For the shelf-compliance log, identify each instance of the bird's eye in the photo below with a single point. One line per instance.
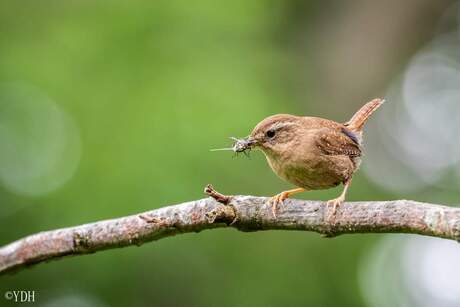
(270, 133)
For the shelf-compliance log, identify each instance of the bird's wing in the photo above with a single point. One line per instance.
(332, 141)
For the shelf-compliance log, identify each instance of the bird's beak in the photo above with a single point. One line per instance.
(244, 144)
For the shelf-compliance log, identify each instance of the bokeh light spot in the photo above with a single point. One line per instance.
(410, 270)
(39, 143)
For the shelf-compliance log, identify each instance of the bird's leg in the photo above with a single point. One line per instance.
(279, 198)
(336, 202)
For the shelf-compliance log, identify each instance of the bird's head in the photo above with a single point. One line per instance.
(274, 135)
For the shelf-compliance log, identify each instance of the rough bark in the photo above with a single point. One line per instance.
(245, 213)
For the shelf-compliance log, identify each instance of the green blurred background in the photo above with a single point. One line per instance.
(108, 108)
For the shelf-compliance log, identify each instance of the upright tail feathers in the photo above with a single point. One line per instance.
(356, 123)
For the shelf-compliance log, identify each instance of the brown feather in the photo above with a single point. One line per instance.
(356, 123)
(334, 142)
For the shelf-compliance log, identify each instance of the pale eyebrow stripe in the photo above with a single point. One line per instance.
(281, 125)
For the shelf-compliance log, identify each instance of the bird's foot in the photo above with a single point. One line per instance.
(335, 203)
(278, 199)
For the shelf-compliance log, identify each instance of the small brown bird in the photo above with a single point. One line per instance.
(310, 152)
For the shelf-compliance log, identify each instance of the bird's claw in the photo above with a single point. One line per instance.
(335, 203)
(277, 199)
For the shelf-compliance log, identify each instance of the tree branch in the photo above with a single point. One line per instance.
(245, 213)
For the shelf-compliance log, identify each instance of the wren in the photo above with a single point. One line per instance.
(312, 153)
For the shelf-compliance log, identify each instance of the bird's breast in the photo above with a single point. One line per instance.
(312, 171)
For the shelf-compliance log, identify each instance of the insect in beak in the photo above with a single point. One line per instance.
(240, 145)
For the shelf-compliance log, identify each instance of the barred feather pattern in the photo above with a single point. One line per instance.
(356, 123)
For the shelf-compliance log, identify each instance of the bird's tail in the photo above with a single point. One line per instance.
(356, 123)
